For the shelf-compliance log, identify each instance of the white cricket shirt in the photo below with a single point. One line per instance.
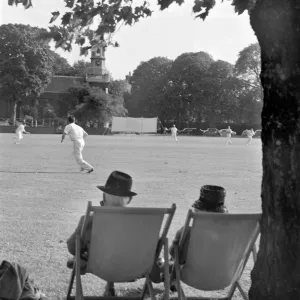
(20, 129)
(174, 130)
(250, 133)
(75, 132)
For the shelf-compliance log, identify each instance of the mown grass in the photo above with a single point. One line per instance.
(38, 211)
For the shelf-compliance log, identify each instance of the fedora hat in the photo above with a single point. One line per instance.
(118, 184)
(212, 198)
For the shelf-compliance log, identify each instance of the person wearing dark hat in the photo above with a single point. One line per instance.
(116, 193)
(212, 199)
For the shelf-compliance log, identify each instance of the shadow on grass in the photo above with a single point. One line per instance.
(136, 292)
(44, 172)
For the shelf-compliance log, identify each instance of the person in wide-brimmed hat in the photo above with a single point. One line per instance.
(117, 193)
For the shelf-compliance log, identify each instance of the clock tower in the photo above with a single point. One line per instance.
(97, 74)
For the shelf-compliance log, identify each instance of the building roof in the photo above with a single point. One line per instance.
(60, 84)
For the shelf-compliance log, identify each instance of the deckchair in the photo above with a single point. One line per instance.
(125, 243)
(218, 249)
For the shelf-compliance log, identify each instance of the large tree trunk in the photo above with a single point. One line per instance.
(276, 275)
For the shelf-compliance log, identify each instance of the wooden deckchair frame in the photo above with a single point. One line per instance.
(162, 244)
(175, 273)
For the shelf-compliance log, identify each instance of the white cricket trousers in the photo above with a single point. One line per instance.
(18, 136)
(175, 136)
(77, 151)
(228, 140)
(249, 140)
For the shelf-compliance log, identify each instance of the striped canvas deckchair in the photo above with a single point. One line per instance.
(218, 250)
(125, 243)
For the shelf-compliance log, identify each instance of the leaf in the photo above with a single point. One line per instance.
(166, 3)
(147, 12)
(65, 20)
(205, 5)
(27, 4)
(197, 6)
(54, 16)
(80, 40)
(242, 5)
(202, 15)
(70, 3)
(84, 50)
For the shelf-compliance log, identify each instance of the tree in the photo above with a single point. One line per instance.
(145, 85)
(193, 87)
(249, 108)
(24, 65)
(276, 24)
(48, 111)
(182, 91)
(74, 96)
(248, 65)
(248, 68)
(119, 87)
(219, 92)
(79, 68)
(94, 104)
(60, 65)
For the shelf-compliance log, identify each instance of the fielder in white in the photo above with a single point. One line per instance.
(77, 135)
(174, 132)
(249, 134)
(19, 133)
(227, 134)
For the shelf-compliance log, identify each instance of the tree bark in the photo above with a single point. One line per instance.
(14, 112)
(276, 274)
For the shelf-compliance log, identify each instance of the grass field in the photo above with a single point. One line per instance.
(43, 195)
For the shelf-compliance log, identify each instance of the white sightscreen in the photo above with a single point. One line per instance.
(142, 125)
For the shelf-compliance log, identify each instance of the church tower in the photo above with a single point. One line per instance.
(97, 74)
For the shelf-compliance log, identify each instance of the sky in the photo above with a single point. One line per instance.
(167, 33)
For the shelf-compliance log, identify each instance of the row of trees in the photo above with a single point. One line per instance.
(192, 88)
(196, 88)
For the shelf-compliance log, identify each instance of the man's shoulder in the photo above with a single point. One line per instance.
(77, 126)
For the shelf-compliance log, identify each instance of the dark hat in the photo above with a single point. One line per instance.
(212, 198)
(118, 184)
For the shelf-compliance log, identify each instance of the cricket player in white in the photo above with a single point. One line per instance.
(249, 134)
(174, 132)
(77, 135)
(228, 135)
(19, 133)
